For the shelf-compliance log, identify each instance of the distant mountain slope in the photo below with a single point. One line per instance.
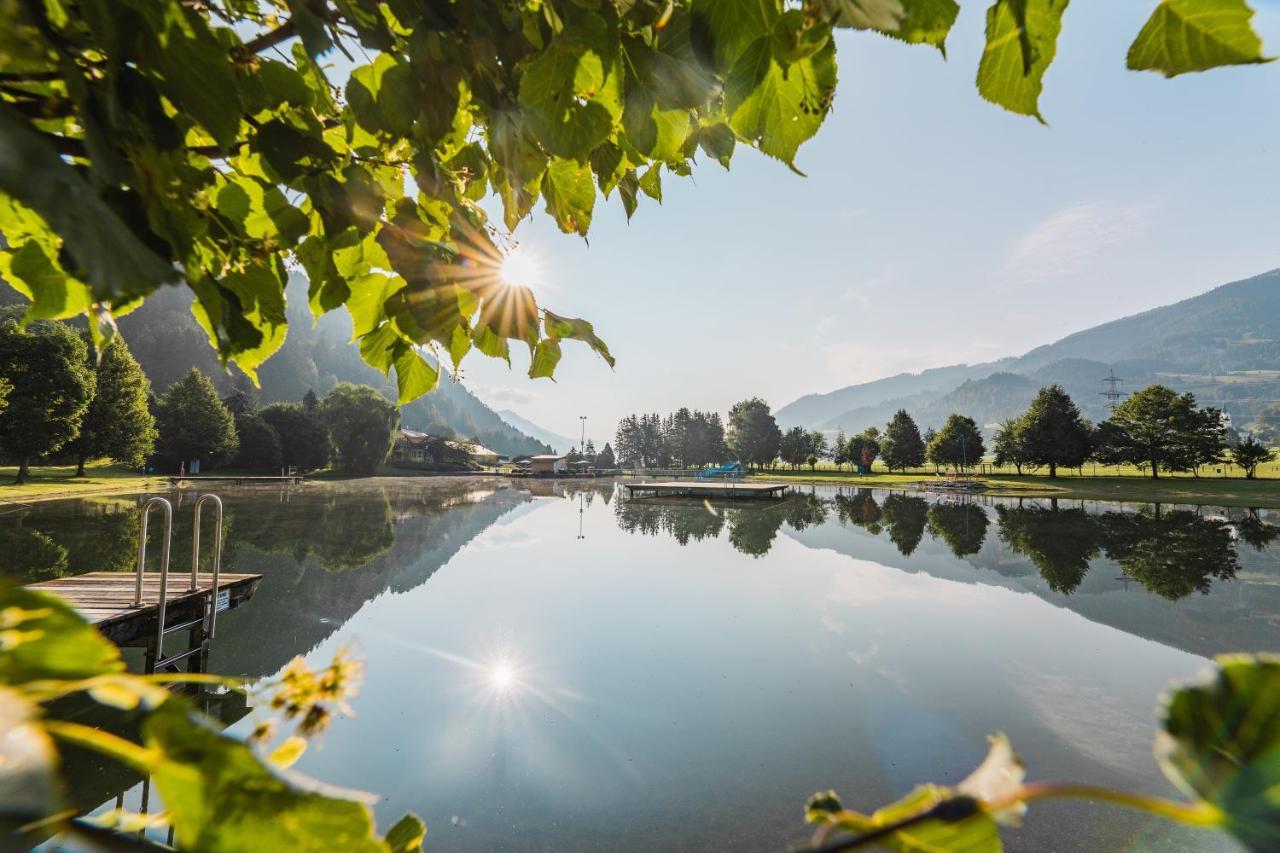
(1190, 345)
(167, 343)
(557, 442)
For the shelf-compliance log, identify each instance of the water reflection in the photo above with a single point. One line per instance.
(1170, 552)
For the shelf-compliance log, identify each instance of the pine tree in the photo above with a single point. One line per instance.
(901, 447)
(194, 424)
(118, 423)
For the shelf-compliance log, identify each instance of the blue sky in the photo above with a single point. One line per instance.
(933, 228)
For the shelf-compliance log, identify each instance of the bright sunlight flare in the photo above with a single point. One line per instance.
(502, 675)
(522, 266)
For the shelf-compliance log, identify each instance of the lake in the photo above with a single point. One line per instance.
(550, 666)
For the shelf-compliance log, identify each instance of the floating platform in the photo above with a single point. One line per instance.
(105, 599)
(705, 489)
(237, 480)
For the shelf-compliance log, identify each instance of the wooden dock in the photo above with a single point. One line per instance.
(707, 489)
(237, 479)
(106, 600)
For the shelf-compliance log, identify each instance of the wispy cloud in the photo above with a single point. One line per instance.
(1072, 240)
(504, 396)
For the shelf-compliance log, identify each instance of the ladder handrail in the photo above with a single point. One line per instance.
(147, 506)
(217, 556)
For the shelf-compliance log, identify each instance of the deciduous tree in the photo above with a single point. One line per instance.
(753, 434)
(1010, 445)
(304, 441)
(260, 448)
(47, 367)
(1159, 429)
(1249, 454)
(362, 424)
(958, 443)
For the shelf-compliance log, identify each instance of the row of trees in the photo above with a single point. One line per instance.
(685, 438)
(56, 397)
(1155, 429)
(57, 400)
(353, 426)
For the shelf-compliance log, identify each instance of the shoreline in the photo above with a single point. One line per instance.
(1248, 494)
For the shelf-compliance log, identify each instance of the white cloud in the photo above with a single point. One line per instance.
(504, 396)
(1072, 240)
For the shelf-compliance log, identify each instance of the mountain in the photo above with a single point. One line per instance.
(558, 443)
(1223, 345)
(167, 342)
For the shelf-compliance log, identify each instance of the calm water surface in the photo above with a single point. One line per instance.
(550, 666)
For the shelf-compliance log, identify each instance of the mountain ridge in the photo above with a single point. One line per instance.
(1190, 345)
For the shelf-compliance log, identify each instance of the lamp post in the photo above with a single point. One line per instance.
(582, 442)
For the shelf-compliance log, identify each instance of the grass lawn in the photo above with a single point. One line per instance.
(47, 482)
(1218, 491)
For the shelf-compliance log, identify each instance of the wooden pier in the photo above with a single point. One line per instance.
(237, 479)
(105, 599)
(707, 489)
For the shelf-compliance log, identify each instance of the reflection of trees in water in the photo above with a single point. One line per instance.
(342, 531)
(752, 525)
(904, 516)
(859, 509)
(1256, 532)
(962, 527)
(70, 539)
(1059, 542)
(682, 521)
(1172, 553)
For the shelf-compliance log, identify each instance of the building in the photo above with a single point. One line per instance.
(546, 463)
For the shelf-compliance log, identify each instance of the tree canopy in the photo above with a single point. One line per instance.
(304, 441)
(901, 446)
(958, 443)
(1052, 431)
(118, 423)
(1161, 430)
(194, 424)
(147, 142)
(46, 366)
(362, 425)
(753, 434)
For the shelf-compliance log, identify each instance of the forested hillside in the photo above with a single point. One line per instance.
(1223, 345)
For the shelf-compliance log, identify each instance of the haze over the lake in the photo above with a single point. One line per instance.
(931, 229)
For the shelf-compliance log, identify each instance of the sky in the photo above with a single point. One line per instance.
(932, 228)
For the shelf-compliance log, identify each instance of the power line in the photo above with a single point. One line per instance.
(1113, 393)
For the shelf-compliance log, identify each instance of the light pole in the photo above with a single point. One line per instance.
(582, 442)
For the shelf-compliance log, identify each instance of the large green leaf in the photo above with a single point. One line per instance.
(41, 637)
(1220, 742)
(221, 797)
(107, 254)
(883, 15)
(778, 107)
(558, 327)
(53, 293)
(570, 194)
(926, 22)
(929, 820)
(1196, 35)
(1022, 38)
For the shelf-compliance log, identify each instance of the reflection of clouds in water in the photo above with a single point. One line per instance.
(862, 583)
(1090, 717)
(505, 539)
(865, 657)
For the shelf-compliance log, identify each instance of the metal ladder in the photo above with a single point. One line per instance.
(200, 629)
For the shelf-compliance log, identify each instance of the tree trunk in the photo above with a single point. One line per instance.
(1053, 469)
(1155, 470)
(80, 466)
(22, 472)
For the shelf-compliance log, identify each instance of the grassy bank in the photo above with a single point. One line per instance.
(1218, 491)
(49, 482)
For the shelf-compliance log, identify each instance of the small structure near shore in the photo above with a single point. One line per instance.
(706, 489)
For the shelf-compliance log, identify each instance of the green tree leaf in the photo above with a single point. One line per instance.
(29, 786)
(546, 355)
(414, 376)
(1220, 742)
(53, 294)
(1022, 38)
(407, 835)
(1196, 35)
(43, 638)
(570, 194)
(558, 328)
(223, 798)
(777, 108)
